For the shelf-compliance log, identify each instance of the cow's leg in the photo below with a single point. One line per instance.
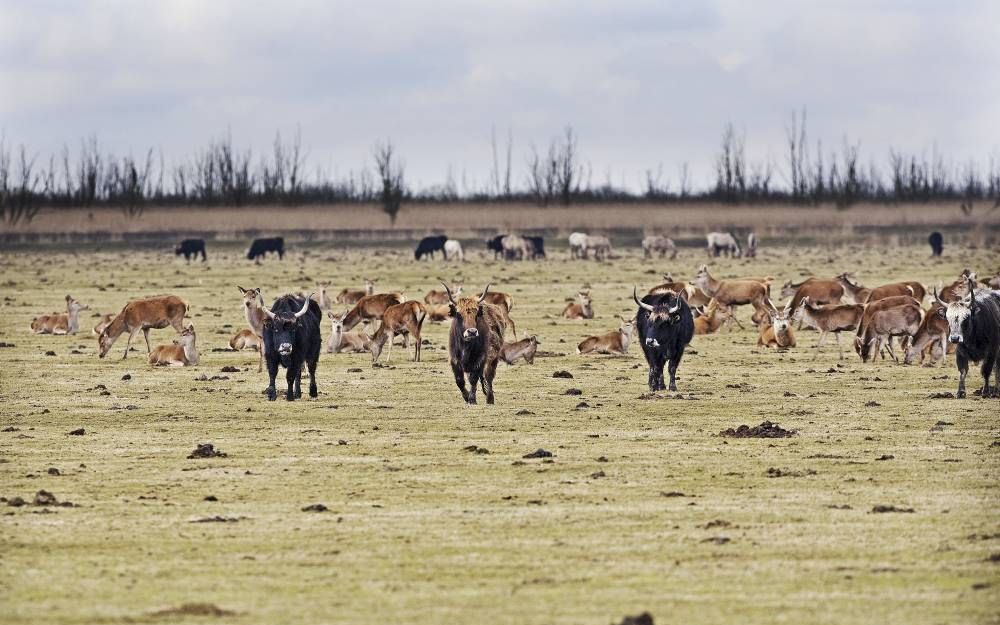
(653, 377)
(313, 391)
(488, 374)
(963, 370)
(474, 377)
(128, 343)
(986, 370)
(291, 374)
(460, 379)
(272, 373)
(674, 363)
(145, 335)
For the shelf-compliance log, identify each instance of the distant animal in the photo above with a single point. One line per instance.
(936, 242)
(143, 314)
(181, 353)
(453, 250)
(834, 318)
(438, 313)
(525, 348)
(441, 297)
(292, 340)
(429, 245)
(723, 243)
(598, 245)
(778, 331)
(60, 323)
(253, 311)
(495, 245)
(974, 327)
(191, 248)
(261, 247)
(914, 289)
(474, 344)
(616, 342)
(536, 247)
(346, 342)
(103, 323)
(751, 251)
(371, 308)
(404, 319)
(898, 315)
(665, 329)
(581, 309)
(245, 339)
(657, 244)
(515, 247)
(734, 292)
(577, 243)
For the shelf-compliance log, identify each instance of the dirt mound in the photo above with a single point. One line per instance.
(884, 509)
(765, 430)
(206, 450)
(563, 374)
(193, 609)
(643, 619)
(538, 453)
(316, 507)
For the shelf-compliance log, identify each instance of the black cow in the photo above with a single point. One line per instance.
(937, 243)
(496, 245)
(536, 247)
(191, 247)
(429, 245)
(291, 338)
(665, 328)
(474, 343)
(260, 247)
(974, 327)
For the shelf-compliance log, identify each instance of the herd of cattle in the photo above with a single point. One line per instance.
(963, 317)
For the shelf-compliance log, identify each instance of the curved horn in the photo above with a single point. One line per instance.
(635, 296)
(485, 291)
(267, 311)
(450, 298)
(305, 307)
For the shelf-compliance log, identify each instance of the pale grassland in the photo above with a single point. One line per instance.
(421, 531)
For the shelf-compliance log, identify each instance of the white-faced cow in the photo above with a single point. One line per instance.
(974, 328)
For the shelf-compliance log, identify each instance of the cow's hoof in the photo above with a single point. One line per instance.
(960, 395)
(272, 396)
(313, 393)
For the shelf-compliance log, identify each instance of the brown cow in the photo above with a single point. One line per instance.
(474, 344)
(143, 314)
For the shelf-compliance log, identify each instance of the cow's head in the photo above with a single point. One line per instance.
(958, 314)
(251, 297)
(466, 312)
(284, 326)
(660, 316)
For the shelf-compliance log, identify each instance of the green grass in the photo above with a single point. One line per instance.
(421, 531)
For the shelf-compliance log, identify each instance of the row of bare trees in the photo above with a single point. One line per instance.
(223, 175)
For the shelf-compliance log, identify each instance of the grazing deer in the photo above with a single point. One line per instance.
(525, 348)
(245, 339)
(616, 342)
(504, 302)
(253, 310)
(405, 319)
(834, 318)
(143, 314)
(582, 309)
(370, 308)
(60, 323)
(732, 293)
(346, 342)
(931, 339)
(779, 332)
(441, 297)
(181, 353)
(352, 296)
(897, 315)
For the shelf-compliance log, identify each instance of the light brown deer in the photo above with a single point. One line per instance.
(504, 302)
(245, 339)
(370, 308)
(897, 315)
(441, 297)
(779, 331)
(404, 319)
(181, 353)
(60, 323)
(143, 314)
(616, 342)
(353, 296)
(712, 319)
(103, 323)
(438, 313)
(253, 310)
(581, 309)
(911, 288)
(931, 339)
(525, 348)
(853, 293)
(834, 318)
(732, 293)
(346, 342)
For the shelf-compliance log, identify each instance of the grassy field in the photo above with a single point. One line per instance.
(643, 506)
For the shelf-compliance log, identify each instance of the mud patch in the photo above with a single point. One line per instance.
(206, 450)
(764, 430)
(316, 507)
(885, 509)
(538, 453)
(642, 619)
(193, 609)
(563, 374)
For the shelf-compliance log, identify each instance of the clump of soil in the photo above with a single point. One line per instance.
(78, 432)
(476, 449)
(316, 507)
(882, 509)
(538, 453)
(764, 430)
(643, 619)
(776, 472)
(563, 374)
(943, 395)
(218, 519)
(573, 391)
(229, 369)
(193, 609)
(206, 450)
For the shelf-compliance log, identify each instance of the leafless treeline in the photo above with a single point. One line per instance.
(222, 174)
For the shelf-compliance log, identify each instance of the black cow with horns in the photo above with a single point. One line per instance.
(974, 327)
(291, 339)
(665, 328)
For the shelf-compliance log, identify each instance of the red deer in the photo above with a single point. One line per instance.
(370, 308)
(245, 339)
(712, 319)
(820, 291)
(253, 310)
(525, 348)
(438, 313)
(441, 297)
(352, 296)
(732, 293)
(853, 292)
(60, 323)
(834, 318)
(931, 339)
(778, 332)
(347, 342)
(898, 315)
(658, 244)
(143, 314)
(103, 323)
(404, 319)
(957, 289)
(505, 303)
(914, 289)
(181, 353)
(474, 344)
(583, 309)
(616, 342)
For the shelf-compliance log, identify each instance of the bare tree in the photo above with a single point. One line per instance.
(390, 172)
(18, 190)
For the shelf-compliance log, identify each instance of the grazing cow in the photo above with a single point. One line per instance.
(181, 353)
(260, 247)
(599, 245)
(834, 318)
(515, 247)
(722, 243)
(577, 244)
(474, 344)
(253, 310)
(441, 297)
(429, 245)
(346, 342)
(453, 250)
(103, 323)
(60, 323)
(616, 342)
(536, 247)
(191, 248)
(143, 314)
(352, 296)
(370, 308)
(936, 242)
(292, 338)
(751, 251)
(731, 293)
(931, 339)
(525, 348)
(245, 339)
(852, 292)
(665, 330)
(495, 245)
(657, 244)
(898, 315)
(778, 332)
(402, 319)
(582, 309)
(974, 327)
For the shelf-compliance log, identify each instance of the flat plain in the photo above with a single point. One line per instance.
(433, 515)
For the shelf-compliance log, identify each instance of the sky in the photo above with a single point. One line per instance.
(644, 84)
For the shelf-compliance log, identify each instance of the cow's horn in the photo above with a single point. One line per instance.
(305, 306)
(485, 291)
(267, 311)
(450, 298)
(635, 296)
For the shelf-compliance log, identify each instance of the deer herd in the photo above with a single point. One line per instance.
(364, 320)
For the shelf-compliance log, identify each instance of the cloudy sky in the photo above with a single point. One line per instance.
(643, 83)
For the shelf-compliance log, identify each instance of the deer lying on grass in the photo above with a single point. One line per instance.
(253, 310)
(616, 342)
(438, 313)
(441, 297)
(181, 353)
(712, 319)
(582, 309)
(834, 318)
(504, 302)
(405, 319)
(347, 342)
(353, 296)
(778, 332)
(371, 308)
(525, 348)
(245, 339)
(60, 323)
(143, 314)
